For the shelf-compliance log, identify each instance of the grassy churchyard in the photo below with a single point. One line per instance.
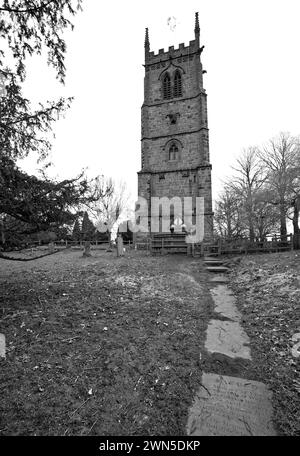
(111, 346)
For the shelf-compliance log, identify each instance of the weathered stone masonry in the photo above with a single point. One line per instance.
(177, 121)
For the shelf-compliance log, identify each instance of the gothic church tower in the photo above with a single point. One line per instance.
(175, 145)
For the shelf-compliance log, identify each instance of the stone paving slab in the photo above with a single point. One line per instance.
(233, 406)
(228, 338)
(225, 302)
(2, 346)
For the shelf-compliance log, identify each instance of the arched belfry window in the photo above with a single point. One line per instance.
(173, 152)
(177, 84)
(167, 86)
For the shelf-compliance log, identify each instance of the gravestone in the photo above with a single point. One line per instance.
(51, 247)
(120, 246)
(230, 406)
(87, 249)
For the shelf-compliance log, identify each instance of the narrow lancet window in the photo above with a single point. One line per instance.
(173, 152)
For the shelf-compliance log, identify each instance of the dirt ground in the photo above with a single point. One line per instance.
(268, 290)
(101, 345)
(111, 346)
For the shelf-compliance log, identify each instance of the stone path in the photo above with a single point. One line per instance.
(2, 346)
(225, 302)
(227, 405)
(230, 406)
(228, 338)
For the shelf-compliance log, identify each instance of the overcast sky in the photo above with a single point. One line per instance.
(251, 55)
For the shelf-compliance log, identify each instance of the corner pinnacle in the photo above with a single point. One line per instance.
(197, 28)
(147, 42)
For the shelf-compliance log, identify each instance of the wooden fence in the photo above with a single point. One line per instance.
(219, 246)
(177, 244)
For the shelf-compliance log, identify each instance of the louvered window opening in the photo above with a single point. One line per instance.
(167, 87)
(177, 85)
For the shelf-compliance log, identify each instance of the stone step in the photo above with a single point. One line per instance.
(213, 262)
(221, 278)
(211, 258)
(217, 269)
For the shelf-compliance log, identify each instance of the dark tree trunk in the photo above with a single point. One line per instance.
(283, 230)
(229, 230)
(2, 233)
(251, 232)
(296, 238)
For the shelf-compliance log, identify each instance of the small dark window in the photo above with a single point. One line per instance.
(173, 152)
(173, 119)
(177, 84)
(167, 86)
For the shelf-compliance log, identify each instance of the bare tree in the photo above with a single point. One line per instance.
(227, 217)
(266, 216)
(246, 184)
(296, 214)
(281, 160)
(112, 206)
(263, 192)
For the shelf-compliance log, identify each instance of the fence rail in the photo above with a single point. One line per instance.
(216, 246)
(244, 246)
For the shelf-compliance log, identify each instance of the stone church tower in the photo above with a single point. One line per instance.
(175, 145)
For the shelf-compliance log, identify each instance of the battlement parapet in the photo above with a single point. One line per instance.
(181, 51)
